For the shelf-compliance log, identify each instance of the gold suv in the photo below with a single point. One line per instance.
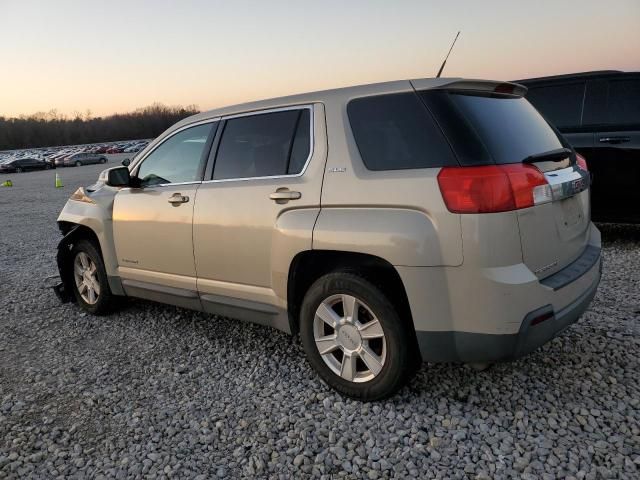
(439, 220)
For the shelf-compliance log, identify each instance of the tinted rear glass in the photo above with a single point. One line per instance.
(511, 129)
(561, 104)
(397, 132)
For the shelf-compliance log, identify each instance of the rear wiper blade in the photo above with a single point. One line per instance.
(556, 155)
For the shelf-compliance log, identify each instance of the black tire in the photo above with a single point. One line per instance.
(78, 163)
(106, 301)
(103, 160)
(400, 363)
(19, 170)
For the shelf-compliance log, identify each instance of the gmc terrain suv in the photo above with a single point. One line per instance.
(599, 114)
(438, 220)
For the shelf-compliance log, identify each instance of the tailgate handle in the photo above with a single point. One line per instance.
(615, 139)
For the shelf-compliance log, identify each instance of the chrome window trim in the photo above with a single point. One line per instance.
(309, 106)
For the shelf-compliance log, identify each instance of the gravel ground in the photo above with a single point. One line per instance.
(162, 392)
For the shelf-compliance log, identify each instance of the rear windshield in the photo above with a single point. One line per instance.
(510, 128)
(486, 129)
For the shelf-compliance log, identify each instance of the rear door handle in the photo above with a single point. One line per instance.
(177, 198)
(283, 195)
(614, 139)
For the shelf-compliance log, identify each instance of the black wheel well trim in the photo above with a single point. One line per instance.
(73, 232)
(309, 265)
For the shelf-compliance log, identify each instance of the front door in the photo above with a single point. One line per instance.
(264, 191)
(152, 223)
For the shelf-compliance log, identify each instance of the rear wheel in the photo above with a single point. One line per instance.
(354, 338)
(19, 170)
(90, 284)
(78, 163)
(103, 160)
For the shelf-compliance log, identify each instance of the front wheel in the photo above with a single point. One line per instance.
(103, 160)
(19, 170)
(354, 338)
(90, 285)
(78, 164)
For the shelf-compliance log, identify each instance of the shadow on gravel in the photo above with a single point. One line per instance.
(619, 232)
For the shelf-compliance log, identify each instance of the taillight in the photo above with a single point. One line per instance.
(582, 163)
(493, 188)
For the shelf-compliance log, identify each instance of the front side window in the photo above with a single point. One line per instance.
(264, 145)
(179, 159)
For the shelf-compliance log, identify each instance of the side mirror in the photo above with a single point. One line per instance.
(126, 162)
(118, 177)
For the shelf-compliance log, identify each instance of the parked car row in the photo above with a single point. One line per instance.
(55, 157)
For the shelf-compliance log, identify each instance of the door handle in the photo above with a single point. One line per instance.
(283, 195)
(177, 198)
(615, 139)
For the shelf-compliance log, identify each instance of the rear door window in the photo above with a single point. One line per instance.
(397, 132)
(264, 145)
(560, 104)
(624, 102)
(510, 128)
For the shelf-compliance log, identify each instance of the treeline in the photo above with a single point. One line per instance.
(52, 129)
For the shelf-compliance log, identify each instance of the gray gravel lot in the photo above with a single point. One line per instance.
(163, 392)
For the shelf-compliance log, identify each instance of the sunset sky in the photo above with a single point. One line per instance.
(118, 55)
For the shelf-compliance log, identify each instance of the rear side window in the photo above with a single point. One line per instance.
(624, 101)
(561, 104)
(510, 128)
(397, 132)
(264, 145)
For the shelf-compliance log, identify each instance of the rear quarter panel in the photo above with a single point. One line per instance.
(397, 215)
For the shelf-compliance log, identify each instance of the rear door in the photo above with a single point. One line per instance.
(507, 129)
(266, 165)
(615, 161)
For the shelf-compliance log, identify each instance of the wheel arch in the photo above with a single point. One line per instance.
(307, 266)
(74, 232)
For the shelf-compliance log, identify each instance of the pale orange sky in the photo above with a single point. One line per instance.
(117, 56)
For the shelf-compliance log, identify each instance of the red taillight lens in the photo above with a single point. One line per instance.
(491, 188)
(582, 163)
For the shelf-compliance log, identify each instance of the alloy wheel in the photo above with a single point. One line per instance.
(349, 338)
(85, 273)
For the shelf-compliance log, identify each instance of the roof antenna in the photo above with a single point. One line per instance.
(445, 58)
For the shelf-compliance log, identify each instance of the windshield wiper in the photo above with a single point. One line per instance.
(556, 155)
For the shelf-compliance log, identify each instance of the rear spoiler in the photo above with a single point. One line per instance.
(485, 86)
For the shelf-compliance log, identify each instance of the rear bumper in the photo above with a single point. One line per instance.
(481, 347)
(492, 314)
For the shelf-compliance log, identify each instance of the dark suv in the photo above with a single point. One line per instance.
(599, 113)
